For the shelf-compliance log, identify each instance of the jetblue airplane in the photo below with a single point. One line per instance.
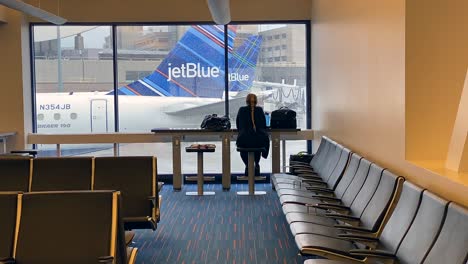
(187, 85)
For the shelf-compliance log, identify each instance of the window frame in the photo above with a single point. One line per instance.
(114, 26)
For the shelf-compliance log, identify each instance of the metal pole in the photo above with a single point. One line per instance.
(59, 151)
(226, 70)
(283, 146)
(116, 149)
(59, 61)
(176, 163)
(251, 173)
(115, 72)
(200, 173)
(226, 156)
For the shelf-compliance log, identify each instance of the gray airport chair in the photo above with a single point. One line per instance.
(345, 180)
(316, 164)
(401, 240)
(136, 179)
(15, 173)
(319, 156)
(301, 204)
(72, 227)
(449, 247)
(352, 214)
(366, 214)
(62, 174)
(8, 210)
(331, 184)
(320, 178)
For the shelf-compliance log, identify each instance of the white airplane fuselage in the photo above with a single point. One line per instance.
(63, 113)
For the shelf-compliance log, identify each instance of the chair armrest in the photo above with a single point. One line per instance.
(301, 166)
(345, 218)
(370, 242)
(106, 259)
(314, 182)
(357, 229)
(320, 190)
(308, 175)
(305, 172)
(338, 207)
(154, 200)
(315, 206)
(372, 253)
(7, 261)
(326, 198)
(298, 162)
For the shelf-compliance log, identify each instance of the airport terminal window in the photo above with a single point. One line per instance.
(166, 76)
(279, 81)
(73, 74)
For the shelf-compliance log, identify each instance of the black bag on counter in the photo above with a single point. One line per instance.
(214, 122)
(283, 118)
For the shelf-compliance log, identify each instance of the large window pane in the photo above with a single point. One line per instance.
(169, 76)
(73, 82)
(270, 61)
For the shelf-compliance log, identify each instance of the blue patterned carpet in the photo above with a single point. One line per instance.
(224, 228)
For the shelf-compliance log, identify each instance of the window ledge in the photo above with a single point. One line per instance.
(438, 167)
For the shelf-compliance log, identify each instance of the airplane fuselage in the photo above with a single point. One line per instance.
(94, 112)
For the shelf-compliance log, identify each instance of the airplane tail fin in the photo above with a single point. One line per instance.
(195, 66)
(242, 64)
(189, 69)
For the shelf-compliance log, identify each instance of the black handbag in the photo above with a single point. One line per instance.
(283, 118)
(215, 122)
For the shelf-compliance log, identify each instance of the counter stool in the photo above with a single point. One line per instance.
(251, 171)
(200, 178)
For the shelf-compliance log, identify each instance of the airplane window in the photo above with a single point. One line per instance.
(40, 117)
(73, 116)
(57, 116)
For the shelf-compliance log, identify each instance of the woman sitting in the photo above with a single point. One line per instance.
(251, 125)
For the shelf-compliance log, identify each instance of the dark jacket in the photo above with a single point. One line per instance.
(248, 137)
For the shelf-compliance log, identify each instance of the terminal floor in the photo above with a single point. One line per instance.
(224, 228)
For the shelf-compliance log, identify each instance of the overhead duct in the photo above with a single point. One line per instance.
(33, 11)
(220, 11)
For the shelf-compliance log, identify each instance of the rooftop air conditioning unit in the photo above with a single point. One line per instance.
(220, 11)
(33, 11)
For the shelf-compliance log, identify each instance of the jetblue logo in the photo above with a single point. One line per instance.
(195, 70)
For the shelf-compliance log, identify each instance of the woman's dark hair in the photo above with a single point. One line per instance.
(249, 98)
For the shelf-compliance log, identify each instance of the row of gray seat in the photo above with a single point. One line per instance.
(134, 177)
(72, 227)
(349, 210)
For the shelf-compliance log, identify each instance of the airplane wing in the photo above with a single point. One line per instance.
(215, 108)
(205, 109)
